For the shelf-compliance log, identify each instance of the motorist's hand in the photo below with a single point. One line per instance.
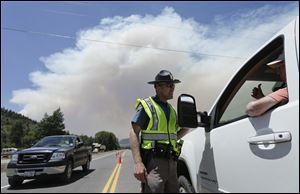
(140, 172)
(257, 92)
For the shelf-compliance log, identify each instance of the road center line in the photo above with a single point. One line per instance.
(114, 184)
(110, 179)
(114, 177)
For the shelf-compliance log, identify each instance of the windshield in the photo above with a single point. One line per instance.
(55, 142)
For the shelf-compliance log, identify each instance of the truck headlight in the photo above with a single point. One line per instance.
(14, 158)
(57, 156)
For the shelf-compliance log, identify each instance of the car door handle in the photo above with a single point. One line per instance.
(270, 138)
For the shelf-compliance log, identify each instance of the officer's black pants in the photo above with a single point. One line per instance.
(162, 176)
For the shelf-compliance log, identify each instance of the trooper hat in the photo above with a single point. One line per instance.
(276, 63)
(164, 76)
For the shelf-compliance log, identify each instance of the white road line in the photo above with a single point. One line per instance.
(9, 185)
(4, 186)
(104, 156)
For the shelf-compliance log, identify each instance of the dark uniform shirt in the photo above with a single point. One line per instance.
(142, 119)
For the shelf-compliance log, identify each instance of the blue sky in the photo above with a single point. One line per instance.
(29, 61)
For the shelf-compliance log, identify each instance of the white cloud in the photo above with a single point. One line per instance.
(96, 83)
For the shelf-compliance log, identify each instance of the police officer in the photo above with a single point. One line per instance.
(155, 154)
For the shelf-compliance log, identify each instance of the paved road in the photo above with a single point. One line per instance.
(93, 181)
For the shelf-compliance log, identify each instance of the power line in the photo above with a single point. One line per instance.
(117, 43)
(84, 15)
(95, 17)
(156, 25)
(77, 2)
(35, 32)
(63, 12)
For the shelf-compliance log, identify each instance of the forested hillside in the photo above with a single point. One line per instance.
(14, 126)
(10, 118)
(21, 132)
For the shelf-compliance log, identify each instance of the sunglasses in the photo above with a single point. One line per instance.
(169, 85)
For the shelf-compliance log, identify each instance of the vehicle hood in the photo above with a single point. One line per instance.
(42, 149)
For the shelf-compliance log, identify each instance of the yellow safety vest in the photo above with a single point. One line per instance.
(157, 129)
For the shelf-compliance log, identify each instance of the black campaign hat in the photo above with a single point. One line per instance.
(164, 76)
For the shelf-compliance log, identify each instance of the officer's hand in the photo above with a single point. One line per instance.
(140, 172)
(257, 92)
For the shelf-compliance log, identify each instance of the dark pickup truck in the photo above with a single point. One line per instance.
(52, 155)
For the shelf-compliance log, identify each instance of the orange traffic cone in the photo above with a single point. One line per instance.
(118, 154)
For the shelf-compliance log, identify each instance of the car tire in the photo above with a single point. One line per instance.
(13, 182)
(86, 166)
(66, 176)
(184, 185)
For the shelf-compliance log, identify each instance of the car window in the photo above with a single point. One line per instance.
(232, 104)
(55, 141)
(236, 107)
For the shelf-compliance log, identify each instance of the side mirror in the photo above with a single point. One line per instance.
(186, 110)
(79, 144)
(188, 115)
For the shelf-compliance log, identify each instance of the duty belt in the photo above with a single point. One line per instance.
(162, 151)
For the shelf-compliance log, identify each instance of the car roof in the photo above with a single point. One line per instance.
(61, 136)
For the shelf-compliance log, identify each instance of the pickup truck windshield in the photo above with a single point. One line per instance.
(55, 142)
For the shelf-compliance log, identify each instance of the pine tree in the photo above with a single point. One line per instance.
(16, 134)
(52, 125)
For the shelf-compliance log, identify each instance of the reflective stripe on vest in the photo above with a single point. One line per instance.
(157, 137)
(154, 114)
